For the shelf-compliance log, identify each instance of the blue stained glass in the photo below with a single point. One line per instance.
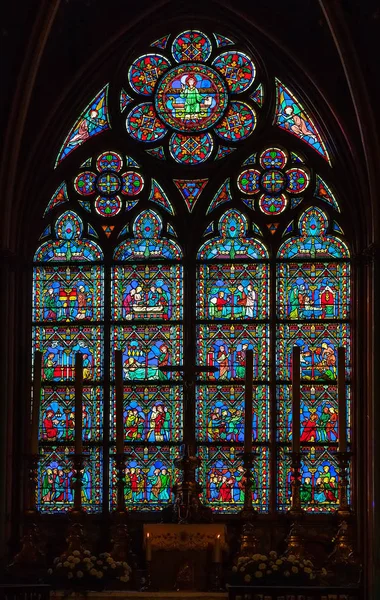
(295, 201)
(59, 197)
(170, 229)
(147, 243)
(288, 229)
(232, 242)
(158, 196)
(46, 232)
(158, 152)
(323, 192)
(222, 195)
(91, 231)
(249, 202)
(85, 204)
(209, 229)
(224, 151)
(337, 227)
(124, 231)
(130, 162)
(125, 99)
(222, 40)
(251, 160)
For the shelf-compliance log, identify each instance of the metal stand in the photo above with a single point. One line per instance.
(120, 537)
(248, 542)
(294, 540)
(75, 539)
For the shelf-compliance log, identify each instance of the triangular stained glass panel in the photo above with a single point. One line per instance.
(222, 40)
(124, 231)
(91, 231)
(125, 99)
(295, 201)
(158, 196)
(295, 158)
(288, 229)
(190, 190)
(157, 152)
(323, 192)
(129, 204)
(222, 196)
(272, 227)
(251, 160)
(170, 229)
(209, 229)
(249, 202)
(256, 229)
(59, 197)
(337, 227)
(162, 42)
(224, 151)
(130, 162)
(87, 163)
(258, 95)
(108, 229)
(93, 120)
(86, 204)
(45, 233)
(291, 116)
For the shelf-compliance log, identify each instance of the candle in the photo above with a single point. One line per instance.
(78, 402)
(217, 554)
(248, 401)
(119, 401)
(37, 371)
(342, 406)
(148, 548)
(296, 403)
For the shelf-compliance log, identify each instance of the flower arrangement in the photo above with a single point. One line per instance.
(83, 570)
(271, 569)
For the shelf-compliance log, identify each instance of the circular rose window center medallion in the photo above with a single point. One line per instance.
(191, 97)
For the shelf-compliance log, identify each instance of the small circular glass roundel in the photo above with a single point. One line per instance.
(132, 184)
(273, 158)
(109, 161)
(108, 183)
(272, 205)
(143, 125)
(298, 180)
(190, 149)
(238, 70)
(108, 207)
(191, 97)
(191, 45)
(273, 181)
(145, 71)
(84, 183)
(248, 181)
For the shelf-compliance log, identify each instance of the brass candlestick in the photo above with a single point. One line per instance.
(75, 535)
(294, 540)
(248, 541)
(120, 537)
(344, 510)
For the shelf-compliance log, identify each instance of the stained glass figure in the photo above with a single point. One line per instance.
(55, 491)
(228, 291)
(222, 479)
(220, 413)
(291, 116)
(161, 42)
(151, 413)
(224, 151)
(248, 181)
(145, 71)
(46, 232)
(222, 40)
(315, 290)
(93, 120)
(108, 229)
(158, 152)
(258, 96)
(59, 197)
(319, 480)
(191, 150)
(190, 190)
(170, 229)
(191, 45)
(65, 293)
(143, 125)
(68, 246)
(146, 349)
(238, 123)
(222, 196)
(147, 292)
(149, 477)
(319, 413)
(272, 227)
(238, 70)
(191, 97)
(125, 99)
(147, 242)
(323, 192)
(60, 343)
(232, 243)
(57, 414)
(158, 196)
(313, 242)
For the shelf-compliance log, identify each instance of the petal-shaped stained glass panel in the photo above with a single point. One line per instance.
(238, 70)
(143, 125)
(191, 150)
(191, 45)
(145, 71)
(238, 123)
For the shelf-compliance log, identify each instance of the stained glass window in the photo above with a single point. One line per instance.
(179, 244)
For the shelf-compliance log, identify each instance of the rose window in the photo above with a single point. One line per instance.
(271, 182)
(203, 103)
